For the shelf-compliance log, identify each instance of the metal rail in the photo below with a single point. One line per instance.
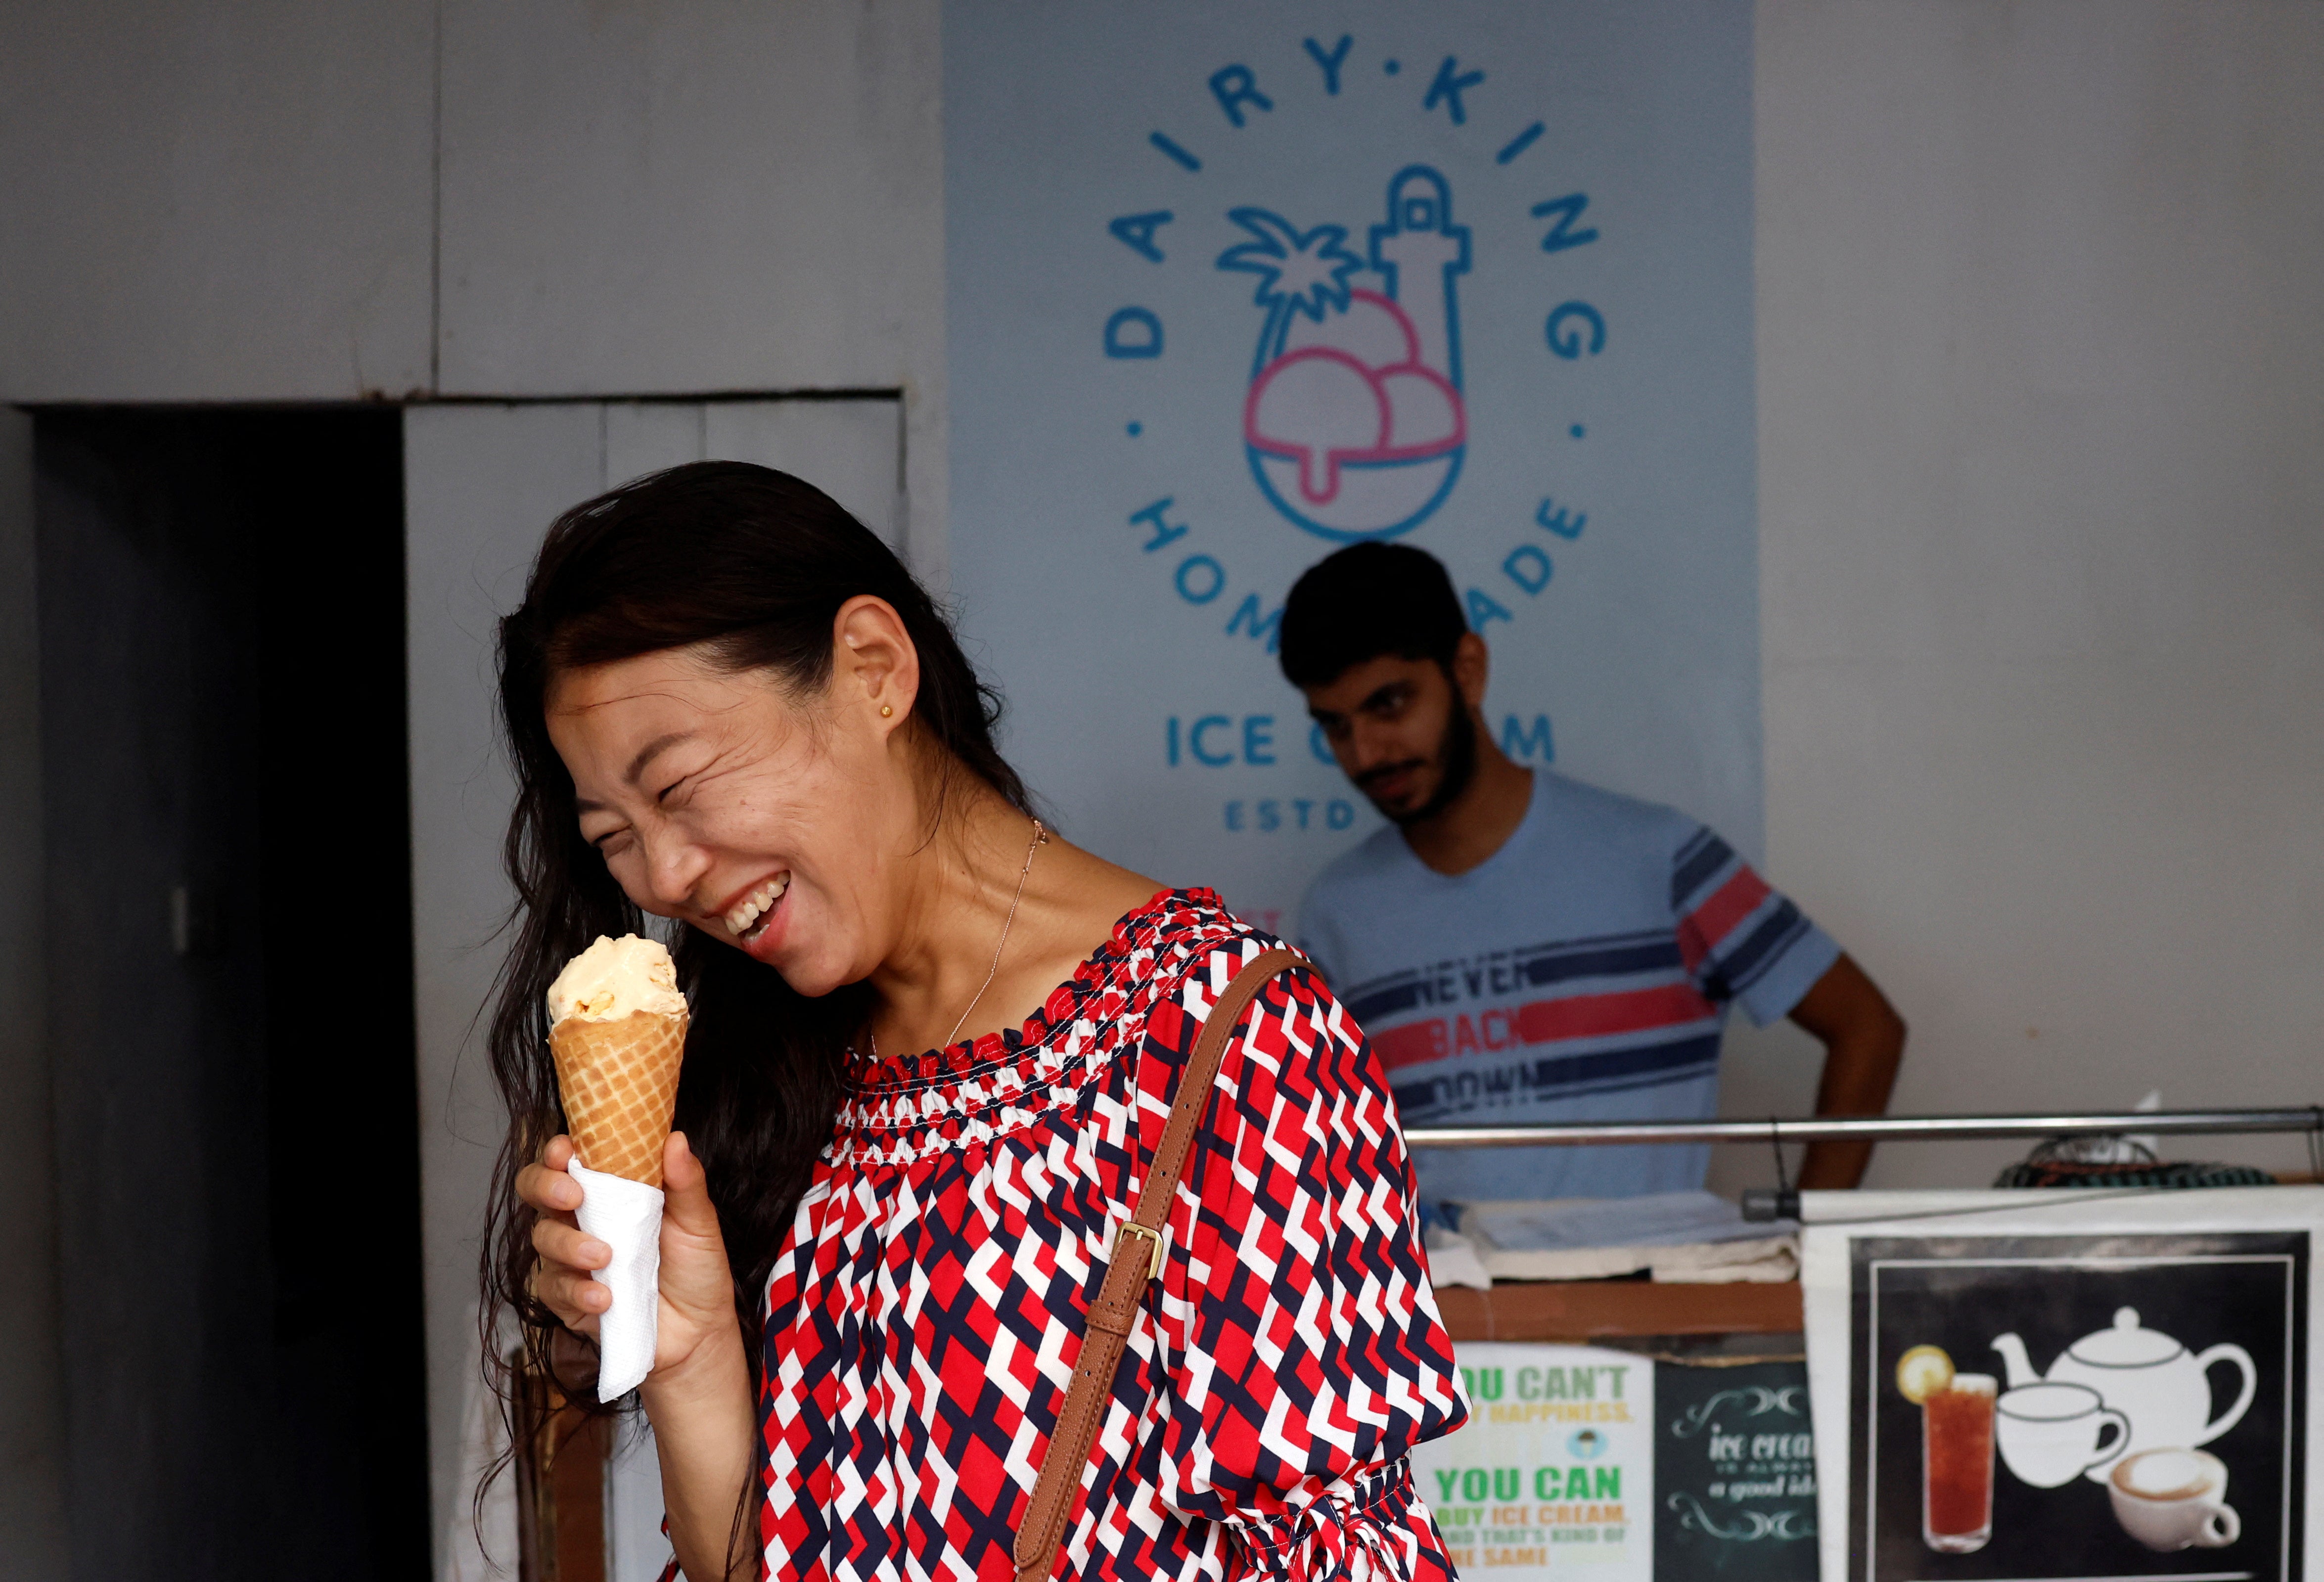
(1884, 1128)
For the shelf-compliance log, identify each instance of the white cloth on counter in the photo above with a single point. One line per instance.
(1691, 1237)
(626, 1216)
(1766, 1261)
(1452, 1260)
(1655, 1219)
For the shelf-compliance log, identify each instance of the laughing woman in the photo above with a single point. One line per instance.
(934, 1052)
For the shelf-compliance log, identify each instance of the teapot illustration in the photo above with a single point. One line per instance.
(2161, 1387)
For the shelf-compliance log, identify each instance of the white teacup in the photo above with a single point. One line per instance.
(2170, 1499)
(2051, 1434)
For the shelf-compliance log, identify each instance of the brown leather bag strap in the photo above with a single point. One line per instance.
(1115, 1311)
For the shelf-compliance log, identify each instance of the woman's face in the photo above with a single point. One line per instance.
(772, 823)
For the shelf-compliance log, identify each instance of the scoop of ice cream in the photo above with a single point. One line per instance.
(616, 978)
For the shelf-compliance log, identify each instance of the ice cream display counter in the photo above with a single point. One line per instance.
(1695, 1408)
(2031, 1385)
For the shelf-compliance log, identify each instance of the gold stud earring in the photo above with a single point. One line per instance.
(886, 710)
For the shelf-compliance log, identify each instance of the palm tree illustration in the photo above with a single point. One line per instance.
(1299, 273)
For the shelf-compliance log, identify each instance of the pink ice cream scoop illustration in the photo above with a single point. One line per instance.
(1353, 422)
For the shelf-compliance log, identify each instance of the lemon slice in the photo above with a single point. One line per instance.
(1922, 1372)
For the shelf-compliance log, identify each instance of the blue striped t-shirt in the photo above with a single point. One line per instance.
(1581, 972)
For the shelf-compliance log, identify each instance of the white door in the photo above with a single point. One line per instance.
(481, 482)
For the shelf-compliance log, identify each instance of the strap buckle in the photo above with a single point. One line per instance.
(1154, 1241)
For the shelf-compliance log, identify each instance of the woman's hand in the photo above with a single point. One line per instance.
(697, 1292)
(698, 1396)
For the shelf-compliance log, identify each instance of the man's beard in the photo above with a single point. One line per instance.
(1456, 766)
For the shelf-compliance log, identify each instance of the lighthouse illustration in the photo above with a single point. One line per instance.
(1353, 422)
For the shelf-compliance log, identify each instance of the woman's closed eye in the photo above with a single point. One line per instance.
(680, 785)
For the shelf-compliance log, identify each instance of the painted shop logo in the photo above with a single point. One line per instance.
(1354, 423)
(1355, 416)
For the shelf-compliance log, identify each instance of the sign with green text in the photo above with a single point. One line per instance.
(1555, 1471)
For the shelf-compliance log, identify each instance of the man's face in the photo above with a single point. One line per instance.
(1401, 731)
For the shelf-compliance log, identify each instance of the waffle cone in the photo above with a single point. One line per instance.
(618, 1081)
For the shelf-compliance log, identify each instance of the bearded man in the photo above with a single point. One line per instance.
(1522, 947)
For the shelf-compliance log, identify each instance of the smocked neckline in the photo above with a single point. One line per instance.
(971, 1057)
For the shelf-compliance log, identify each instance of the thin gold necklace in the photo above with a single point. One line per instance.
(1040, 839)
(1040, 836)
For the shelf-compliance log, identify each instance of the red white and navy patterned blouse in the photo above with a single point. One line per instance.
(924, 1317)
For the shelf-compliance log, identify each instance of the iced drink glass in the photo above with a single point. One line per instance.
(1957, 1465)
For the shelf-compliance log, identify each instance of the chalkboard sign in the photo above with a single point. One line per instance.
(1735, 1490)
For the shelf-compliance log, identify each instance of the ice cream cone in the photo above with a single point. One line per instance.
(618, 1080)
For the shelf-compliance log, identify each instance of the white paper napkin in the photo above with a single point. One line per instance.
(626, 1216)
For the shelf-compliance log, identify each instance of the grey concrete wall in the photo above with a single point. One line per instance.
(698, 197)
(215, 202)
(2041, 303)
(550, 198)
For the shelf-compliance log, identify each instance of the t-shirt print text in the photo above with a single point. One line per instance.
(1623, 1012)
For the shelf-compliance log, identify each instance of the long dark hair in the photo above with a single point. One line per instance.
(751, 567)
